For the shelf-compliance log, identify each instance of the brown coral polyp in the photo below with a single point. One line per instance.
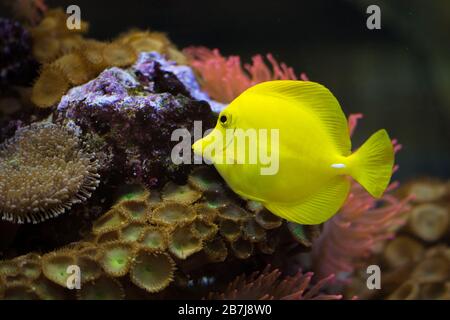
(90, 268)
(429, 221)
(427, 190)
(132, 232)
(136, 210)
(180, 193)
(152, 271)
(145, 41)
(402, 251)
(154, 238)
(104, 288)
(407, 291)
(253, 231)
(171, 213)
(19, 292)
(184, 242)
(205, 212)
(118, 55)
(112, 220)
(44, 170)
(242, 249)
(216, 250)
(233, 212)
(230, 230)
(108, 236)
(54, 266)
(204, 229)
(49, 87)
(74, 68)
(267, 220)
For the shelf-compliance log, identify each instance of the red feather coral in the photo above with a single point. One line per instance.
(361, 224)
(269, 285)
(224, 78)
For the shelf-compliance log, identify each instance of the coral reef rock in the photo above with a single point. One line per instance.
(17, 66)
(135, 111)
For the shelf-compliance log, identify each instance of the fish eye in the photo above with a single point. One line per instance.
(225, 119)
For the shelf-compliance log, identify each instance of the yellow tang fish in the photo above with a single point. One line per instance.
(311, 146)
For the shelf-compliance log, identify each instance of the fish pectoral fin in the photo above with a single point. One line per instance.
(318, 208)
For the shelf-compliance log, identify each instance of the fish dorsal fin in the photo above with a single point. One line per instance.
(319, 207)
(319, 100)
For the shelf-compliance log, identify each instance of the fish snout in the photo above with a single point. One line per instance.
(207, 146)
(198, 147)
(201, 145)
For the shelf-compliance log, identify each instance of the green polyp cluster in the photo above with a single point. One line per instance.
(139, 239)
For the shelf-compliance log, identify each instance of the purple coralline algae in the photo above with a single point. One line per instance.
(131, 113)
(17, 66)
(184, 74)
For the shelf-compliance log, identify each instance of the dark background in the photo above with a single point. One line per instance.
(399, 76)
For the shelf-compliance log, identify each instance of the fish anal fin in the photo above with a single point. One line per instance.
(319, 100)
(318, 208)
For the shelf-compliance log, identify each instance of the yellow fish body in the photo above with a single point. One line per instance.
(313, 151)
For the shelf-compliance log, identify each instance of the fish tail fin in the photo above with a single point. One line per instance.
(371, 165)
